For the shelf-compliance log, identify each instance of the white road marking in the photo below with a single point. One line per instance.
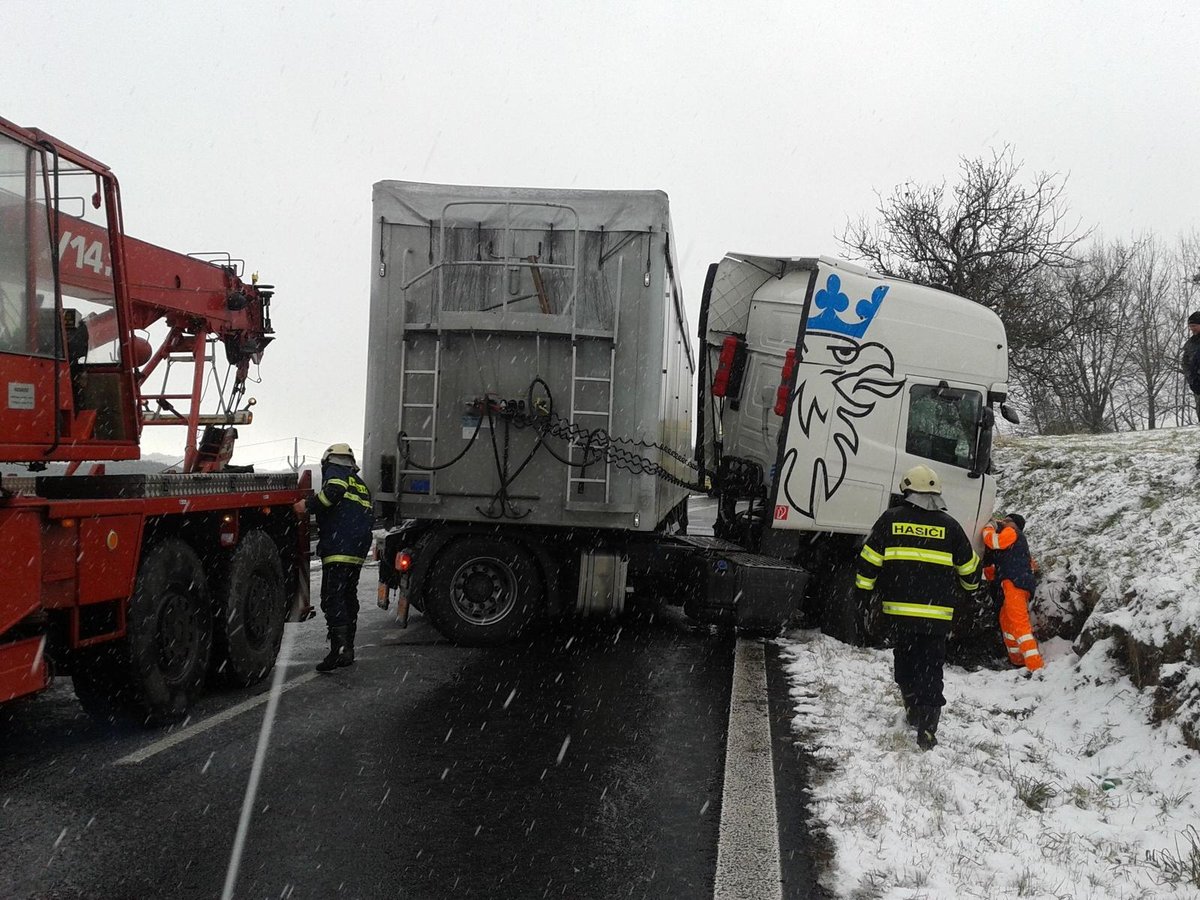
(748, 847)
(223, 716)
(260, 756)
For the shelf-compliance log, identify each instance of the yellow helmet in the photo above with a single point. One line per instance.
(921, 480)
(339, 454)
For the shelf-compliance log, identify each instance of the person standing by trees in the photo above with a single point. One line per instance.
(916, 559)
(1190, 360)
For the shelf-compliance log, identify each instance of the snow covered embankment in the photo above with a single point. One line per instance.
(1114, 521)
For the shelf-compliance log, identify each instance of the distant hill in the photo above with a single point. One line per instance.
(1114, 521)
(150, 463)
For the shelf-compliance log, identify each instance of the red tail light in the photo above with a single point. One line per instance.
(229, 530)
(786, 379)
(404, 561)
(729, 349)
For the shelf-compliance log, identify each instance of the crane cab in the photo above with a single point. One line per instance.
(66, 376)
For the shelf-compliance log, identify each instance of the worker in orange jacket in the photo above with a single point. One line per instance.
(1008, 564)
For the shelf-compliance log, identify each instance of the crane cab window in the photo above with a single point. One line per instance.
(943, 423)
(85, 269)
(26, 281)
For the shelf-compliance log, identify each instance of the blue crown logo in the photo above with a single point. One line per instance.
(832, 303)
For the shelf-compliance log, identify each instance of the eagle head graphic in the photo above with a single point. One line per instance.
(839, 382)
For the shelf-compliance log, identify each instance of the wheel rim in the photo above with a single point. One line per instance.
(256, 612)
(178, 635)
(483, 591)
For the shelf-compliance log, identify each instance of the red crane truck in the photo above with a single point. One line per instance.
(141, 587)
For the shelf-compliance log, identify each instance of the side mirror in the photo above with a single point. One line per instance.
(983, 454)
(1010, 414)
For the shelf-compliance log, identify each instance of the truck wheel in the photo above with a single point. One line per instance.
(159, 669)
(101, 682)
(482, 591)
(249, 627)
(840, 617)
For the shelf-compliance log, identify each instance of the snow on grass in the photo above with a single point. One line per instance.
(1046, 787)
(1078, 783)
(1117, 516)
(1115, 522)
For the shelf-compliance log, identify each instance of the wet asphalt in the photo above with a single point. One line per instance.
(585, 762)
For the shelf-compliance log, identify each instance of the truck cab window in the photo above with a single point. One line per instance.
(942, 424)
(26, 287)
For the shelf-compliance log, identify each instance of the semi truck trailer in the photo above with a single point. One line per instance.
(531, 383)
(529, 409)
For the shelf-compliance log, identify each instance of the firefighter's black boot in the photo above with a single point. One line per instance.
(927, 723)
(910, 709)
(339, 640)
(347, 657)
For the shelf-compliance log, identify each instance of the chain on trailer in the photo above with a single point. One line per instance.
(539, 415)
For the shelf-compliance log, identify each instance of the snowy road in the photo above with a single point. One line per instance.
(581, 763)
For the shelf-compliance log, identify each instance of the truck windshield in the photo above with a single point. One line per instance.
(942, 424)
(26, 283)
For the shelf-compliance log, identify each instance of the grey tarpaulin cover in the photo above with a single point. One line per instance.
(414, 203)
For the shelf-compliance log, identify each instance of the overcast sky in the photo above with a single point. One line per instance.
(259, 128)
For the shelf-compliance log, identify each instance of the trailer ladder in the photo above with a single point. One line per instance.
(419, 392)
(600, 418)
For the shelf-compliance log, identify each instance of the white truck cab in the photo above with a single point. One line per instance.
(828, 382)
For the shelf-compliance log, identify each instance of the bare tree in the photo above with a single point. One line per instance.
(991, 237)
(1084, 374)
(1154, 289)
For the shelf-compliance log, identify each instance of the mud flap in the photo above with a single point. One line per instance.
(301, 609)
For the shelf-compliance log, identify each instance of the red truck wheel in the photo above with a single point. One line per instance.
(250, 622)
(159, 669)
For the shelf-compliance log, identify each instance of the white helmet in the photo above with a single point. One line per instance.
(340, 455)
(921, 480)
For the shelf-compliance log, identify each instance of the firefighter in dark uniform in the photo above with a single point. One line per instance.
(344, 519)
(916, 559)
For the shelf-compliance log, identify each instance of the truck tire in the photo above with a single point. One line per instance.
(482, 591)
(102, 684)
(156, 673)
(840, 617)
(249, 625)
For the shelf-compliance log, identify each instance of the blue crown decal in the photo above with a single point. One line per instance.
(832, 302)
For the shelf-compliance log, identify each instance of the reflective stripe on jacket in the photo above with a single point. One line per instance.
(344, 516)
(918, 559)
(1008, 552)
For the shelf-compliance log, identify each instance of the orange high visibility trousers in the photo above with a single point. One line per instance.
(1014, 625)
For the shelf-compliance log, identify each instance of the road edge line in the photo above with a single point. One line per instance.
(748, 845)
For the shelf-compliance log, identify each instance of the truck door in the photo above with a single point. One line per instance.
(942, 423)
(753, 429)
(28, 369)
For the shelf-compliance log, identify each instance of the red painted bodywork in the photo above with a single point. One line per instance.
(59, 558)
